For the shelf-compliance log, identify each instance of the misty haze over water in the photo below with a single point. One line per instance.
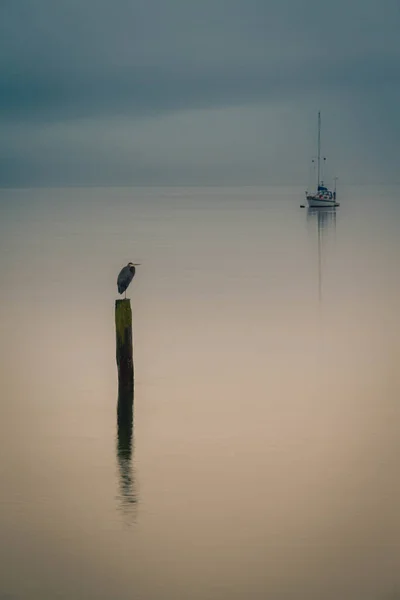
(263, 457)
(262, 460)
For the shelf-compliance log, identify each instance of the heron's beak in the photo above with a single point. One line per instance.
(136, 264)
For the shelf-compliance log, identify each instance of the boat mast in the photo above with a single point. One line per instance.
(319, 148)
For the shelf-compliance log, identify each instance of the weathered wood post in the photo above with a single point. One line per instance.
(123, 326)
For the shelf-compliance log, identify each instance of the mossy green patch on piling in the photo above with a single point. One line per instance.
(123, 319)
(124, 350)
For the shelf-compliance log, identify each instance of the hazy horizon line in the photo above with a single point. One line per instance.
(181, 185)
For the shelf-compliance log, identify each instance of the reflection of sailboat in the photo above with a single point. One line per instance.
(326, 218)
(124, 448)
(322, 197)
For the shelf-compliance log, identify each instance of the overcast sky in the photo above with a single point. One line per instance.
(197, 91)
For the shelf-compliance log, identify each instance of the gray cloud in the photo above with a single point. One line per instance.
(71, 73)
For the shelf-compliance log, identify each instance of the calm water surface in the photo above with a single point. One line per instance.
(263, 462)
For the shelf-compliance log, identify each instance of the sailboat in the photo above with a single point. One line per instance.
(323, 196)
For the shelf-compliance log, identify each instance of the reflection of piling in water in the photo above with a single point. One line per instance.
(123, 326)
(124, 446)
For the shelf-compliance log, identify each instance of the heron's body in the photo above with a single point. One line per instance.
(125, 277)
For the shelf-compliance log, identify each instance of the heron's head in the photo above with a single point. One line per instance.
(132, 265)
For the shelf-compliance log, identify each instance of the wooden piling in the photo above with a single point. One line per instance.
(125, 425)
(123, 326)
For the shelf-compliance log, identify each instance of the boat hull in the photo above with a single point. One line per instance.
(315, 202)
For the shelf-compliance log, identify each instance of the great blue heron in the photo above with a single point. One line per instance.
(125, 277)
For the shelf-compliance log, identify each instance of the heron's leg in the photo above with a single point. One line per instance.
(125, 294)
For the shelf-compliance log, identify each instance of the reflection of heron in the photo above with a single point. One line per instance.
(124, 448)
(125, 277)
(326, 217)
